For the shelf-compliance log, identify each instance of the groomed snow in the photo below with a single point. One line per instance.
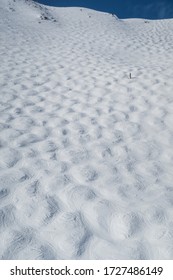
(86, 153)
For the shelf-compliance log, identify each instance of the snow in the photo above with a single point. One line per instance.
(86, 158)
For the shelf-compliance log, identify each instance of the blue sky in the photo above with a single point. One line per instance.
(150, 9)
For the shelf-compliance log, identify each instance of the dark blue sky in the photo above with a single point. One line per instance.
(149, 9)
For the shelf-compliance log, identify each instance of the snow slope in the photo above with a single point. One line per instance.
(86, 158)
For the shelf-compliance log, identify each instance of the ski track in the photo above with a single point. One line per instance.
(85, 152)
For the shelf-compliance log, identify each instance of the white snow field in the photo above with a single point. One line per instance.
(86, 152)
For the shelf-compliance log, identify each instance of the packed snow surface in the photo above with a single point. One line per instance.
(86, 134)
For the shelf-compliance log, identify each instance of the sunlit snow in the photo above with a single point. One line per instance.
(86, 134)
